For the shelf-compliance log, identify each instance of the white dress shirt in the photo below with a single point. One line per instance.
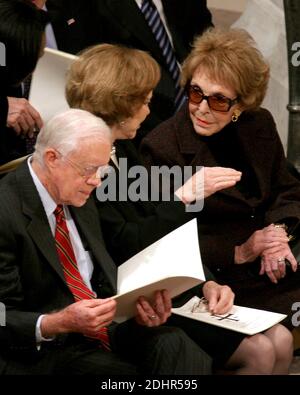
(50, 37)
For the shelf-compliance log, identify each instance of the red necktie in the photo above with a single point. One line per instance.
(72, 275)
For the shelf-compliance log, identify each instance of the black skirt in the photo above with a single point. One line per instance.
(218, 342)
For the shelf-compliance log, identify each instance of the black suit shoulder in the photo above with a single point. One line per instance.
(3, 111)
(74, 24)
(3, 118)
(189, 18)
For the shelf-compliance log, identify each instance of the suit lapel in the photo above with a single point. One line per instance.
(38, 225)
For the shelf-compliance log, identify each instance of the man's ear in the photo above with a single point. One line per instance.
(51, 157)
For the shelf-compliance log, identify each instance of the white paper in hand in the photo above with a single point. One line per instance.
(171, 263)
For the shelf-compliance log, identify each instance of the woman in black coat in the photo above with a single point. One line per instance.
(245, 231)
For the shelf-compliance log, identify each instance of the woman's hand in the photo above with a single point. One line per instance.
(258, 242)
(273, 262)
(156, 313)
(206, 182)
(220, 297)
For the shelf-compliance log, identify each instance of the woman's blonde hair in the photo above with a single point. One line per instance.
(232, 59)
(111, 81)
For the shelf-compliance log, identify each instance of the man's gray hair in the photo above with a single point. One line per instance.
(65, 132)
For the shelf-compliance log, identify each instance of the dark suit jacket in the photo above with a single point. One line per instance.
(3, 118)
(3, 113)
(229, 217)
(74, 24)
(121, 22)
(3, 110)
(31, 277)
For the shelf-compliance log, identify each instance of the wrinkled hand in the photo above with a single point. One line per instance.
(259, 241)
(220, 297)
(22, 117)
(273, 262)
(206, 182)
(86, 317)
(156, 313)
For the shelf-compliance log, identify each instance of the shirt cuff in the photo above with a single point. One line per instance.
(38, 334)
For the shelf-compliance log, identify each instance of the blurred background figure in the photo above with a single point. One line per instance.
(226, 78)
(22, 27)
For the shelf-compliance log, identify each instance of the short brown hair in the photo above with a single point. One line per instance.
(230, 58)
(111, 81)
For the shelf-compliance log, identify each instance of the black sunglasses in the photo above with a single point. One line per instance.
(215, 102)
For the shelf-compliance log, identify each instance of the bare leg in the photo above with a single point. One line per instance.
(255, 355)
(270, 352)
(282, 340)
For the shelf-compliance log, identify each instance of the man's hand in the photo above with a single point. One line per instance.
(22, 117)
(220, 297)
(86, 317)
(206, 182)
(156, 313)
(258, 242)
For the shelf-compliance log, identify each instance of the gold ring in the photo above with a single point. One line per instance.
(152, 317)
(281, 260)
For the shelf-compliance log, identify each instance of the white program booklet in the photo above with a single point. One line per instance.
(47, 91)
(239, 319)
(171, 263)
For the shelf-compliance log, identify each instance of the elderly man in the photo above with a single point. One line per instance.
(56, 277)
